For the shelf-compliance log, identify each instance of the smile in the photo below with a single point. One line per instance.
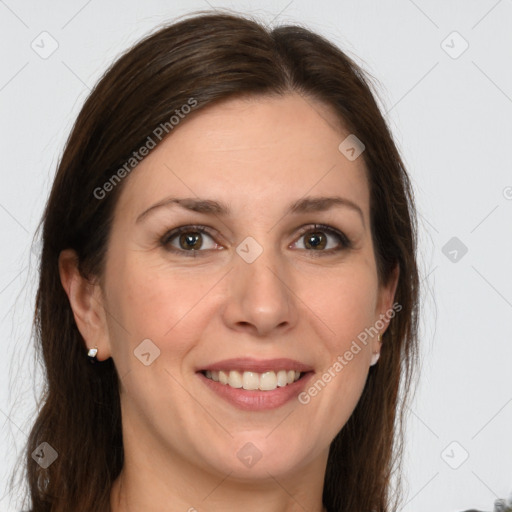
(266, 381)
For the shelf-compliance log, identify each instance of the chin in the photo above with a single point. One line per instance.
(258, 457)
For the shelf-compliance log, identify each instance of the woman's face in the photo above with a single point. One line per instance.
(258, 288)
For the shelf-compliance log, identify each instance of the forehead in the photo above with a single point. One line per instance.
(251, 152)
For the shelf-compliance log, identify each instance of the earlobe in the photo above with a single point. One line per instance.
(85, 302)
(376, 354)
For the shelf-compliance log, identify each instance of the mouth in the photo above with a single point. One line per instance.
(250, 381)
(252, 384)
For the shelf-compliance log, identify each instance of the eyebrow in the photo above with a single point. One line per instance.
(303, 205)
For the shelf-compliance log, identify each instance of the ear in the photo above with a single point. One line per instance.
(385, 303)
(86, 301)
(387, 292)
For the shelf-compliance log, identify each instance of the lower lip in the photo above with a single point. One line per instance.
(255, 400)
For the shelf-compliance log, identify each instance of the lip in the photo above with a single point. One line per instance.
(256, 400)
(247, 364)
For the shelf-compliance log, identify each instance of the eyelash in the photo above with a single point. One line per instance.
(345, 242)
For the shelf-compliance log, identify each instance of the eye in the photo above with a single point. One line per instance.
(316, 239)
(188, 239)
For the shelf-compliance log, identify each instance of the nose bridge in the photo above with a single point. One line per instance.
(264, 273)
(260, 293)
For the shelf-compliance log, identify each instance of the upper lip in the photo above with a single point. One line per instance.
(257, 365)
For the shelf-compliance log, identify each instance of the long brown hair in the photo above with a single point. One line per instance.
(211, 57)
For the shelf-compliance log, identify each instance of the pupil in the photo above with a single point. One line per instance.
(190, 240)
(314, 240)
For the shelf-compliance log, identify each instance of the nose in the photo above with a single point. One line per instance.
(260, 299)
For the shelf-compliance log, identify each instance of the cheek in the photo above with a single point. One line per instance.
(347, 309)
(160, 304)
(345, 304)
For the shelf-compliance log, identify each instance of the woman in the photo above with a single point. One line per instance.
(231, 238)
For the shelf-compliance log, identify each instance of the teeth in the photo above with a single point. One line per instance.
(235, 379)
(266, 381)
(250, 380)
(223, 377)
(282, 379)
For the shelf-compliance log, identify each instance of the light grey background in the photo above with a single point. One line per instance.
(452, 119)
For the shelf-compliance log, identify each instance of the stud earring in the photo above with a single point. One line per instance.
(376, 355)
(92, 355)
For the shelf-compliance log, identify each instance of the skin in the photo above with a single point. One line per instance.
(181, 440)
